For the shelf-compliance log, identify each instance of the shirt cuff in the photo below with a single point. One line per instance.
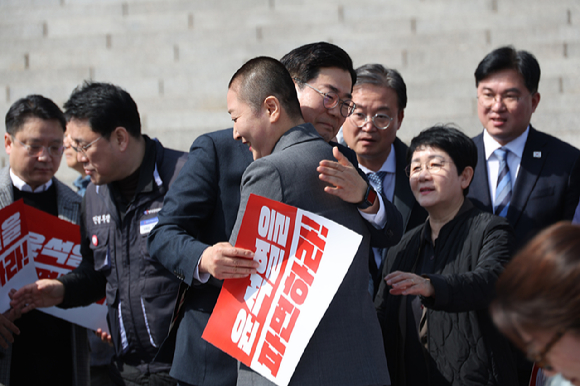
(203, 277)
(379, 219)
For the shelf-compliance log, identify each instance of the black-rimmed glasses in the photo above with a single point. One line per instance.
(331, 100)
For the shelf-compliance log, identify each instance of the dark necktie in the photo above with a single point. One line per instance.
(376, 180)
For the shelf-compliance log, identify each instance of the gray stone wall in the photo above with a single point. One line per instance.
(176, 57)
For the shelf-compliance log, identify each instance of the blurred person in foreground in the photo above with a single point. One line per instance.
(439, 280)
(538, 301)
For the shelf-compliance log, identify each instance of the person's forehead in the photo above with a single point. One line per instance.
(429, 152)
(35, 128)
(507, 78)
(334, 79)
(79, 130)
(372, 93)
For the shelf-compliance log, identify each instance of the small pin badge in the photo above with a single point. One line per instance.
(537, 154)
(95, 240)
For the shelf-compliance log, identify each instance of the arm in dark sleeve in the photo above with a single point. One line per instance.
(188, 207)
(475, 289)
(84, 285)
(392, 232)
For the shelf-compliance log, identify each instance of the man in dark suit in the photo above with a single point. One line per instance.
(343, 350)
(200, 210)
(380, 95)
(525, 175)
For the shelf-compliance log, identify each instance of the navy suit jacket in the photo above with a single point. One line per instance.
(547, 187)
(199, 211)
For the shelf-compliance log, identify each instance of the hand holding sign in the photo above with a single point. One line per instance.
(42, 293)
(223, 261)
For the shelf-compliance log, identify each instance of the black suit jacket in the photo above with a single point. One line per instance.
(547, 187)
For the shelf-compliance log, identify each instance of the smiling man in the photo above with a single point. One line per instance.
(34, 143)
(200, 210)
(130, 174)
(263, 105)
(525, 175)
(380, 95)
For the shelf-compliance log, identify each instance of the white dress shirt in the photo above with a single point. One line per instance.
(514, 158)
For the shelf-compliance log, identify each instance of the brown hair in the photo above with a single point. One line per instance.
(540, 288)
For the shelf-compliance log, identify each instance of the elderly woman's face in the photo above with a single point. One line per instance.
(434, 180)
(562, 354)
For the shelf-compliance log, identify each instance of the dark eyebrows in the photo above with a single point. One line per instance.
(337, 91)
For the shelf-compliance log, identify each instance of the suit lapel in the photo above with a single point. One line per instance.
(479, 188)
(533, 159)
(403, 198)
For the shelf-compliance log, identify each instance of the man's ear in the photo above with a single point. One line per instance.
(8, 143)
(120, 138)
(273, 108)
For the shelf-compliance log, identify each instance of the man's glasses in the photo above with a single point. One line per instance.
(83, 149)
(380, 121)
(37, 150)
(331, 100)
(540, 357)
(488, 99)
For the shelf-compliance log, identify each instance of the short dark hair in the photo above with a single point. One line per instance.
(262, 77)
(105, 106)
(459, 146)
(508, 58)
(539, 291)
(305, 62)
(32, 106)
(382, 76)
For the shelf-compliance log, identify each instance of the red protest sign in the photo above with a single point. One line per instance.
(16, 268)
(267, 319)
(53, 245)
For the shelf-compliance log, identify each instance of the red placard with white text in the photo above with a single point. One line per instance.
(267, 319)
(53, 245)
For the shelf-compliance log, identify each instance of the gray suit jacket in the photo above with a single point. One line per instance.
(346, 347)
(69, 209)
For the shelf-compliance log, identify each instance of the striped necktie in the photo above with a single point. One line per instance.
(503, 192)
(376, 180)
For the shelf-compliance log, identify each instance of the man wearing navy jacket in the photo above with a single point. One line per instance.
(525, 175)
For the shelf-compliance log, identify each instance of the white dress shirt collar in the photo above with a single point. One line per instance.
(23, 186)
(515, 146)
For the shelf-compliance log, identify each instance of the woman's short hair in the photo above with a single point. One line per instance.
(459, 146)
(540, 288)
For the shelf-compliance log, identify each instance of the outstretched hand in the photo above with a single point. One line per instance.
(406, 283)
(42, 293)
(346, 183)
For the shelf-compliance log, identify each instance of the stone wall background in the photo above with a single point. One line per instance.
(175, 57)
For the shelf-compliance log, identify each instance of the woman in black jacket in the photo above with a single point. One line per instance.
(439, 280)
